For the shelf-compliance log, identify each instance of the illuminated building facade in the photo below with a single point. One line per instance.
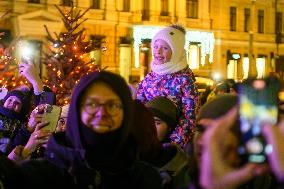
(235, 38)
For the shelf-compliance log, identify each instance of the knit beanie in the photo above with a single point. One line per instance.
(164, 109)
(175, 39)
(24, 97)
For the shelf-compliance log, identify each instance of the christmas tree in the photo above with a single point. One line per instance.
(67, 59)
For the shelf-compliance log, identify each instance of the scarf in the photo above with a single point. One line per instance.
(102, 150)
(11, 114)
(169, 67)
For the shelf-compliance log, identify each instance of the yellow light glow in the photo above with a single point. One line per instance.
(245, 67)
(260, 67)
(193, 57)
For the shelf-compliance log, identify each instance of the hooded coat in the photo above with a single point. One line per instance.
(10, 121)
(110, 161)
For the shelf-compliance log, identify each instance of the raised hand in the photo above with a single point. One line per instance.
(38, 137)
(28, 69)
(215, 172)
(274, 136)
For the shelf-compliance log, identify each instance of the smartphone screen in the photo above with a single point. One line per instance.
(258, 100)
(51, 115)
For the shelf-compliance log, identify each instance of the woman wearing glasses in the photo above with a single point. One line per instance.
(96, 150)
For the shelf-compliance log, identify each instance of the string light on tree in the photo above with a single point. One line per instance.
(65, 61)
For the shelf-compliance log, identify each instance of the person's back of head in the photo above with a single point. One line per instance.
(214, 109)
(222, 88)
(145, 133)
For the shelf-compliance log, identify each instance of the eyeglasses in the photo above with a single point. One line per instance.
(112, 107)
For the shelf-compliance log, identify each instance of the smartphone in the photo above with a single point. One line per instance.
(51, 115)
(258, 102)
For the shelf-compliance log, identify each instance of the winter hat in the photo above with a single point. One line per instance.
(24, 97)
(223, 86)
(217, 107)
(175, 39)
(164, 109)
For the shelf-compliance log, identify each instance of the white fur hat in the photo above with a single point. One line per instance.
(175, 39)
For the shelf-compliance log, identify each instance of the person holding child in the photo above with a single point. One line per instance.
(171, 77)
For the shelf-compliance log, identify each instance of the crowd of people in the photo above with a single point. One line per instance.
(164, 135)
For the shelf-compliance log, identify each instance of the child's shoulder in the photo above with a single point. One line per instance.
(185, 75)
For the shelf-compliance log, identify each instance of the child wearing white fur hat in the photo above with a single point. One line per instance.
(171, 77)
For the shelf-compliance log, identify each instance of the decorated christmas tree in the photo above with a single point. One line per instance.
(67, 59)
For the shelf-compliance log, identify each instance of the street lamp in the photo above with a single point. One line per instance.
(252, 72)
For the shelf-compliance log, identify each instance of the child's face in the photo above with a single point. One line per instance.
(13, 103)
(162, 52)
(162, 128)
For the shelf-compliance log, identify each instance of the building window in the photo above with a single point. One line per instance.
(279, 22)
(233, 19)
(34, 1)
(260, 67)
(194, 55)
(96, 54)
(126, 5)
(164, 8)
(247, 20)
(67, 3)
(260, 21)
(245, 67)
(95, 4)
(192, 8)
(146, 10)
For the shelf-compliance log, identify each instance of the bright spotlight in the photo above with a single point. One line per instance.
(216, 76)
(26, 49)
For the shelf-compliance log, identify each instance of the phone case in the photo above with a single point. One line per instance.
(51, 115)
(258, 100)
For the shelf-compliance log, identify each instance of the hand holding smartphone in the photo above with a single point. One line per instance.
(258, 100)
(51, 114)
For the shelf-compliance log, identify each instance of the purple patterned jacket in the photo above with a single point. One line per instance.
(181, 89)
